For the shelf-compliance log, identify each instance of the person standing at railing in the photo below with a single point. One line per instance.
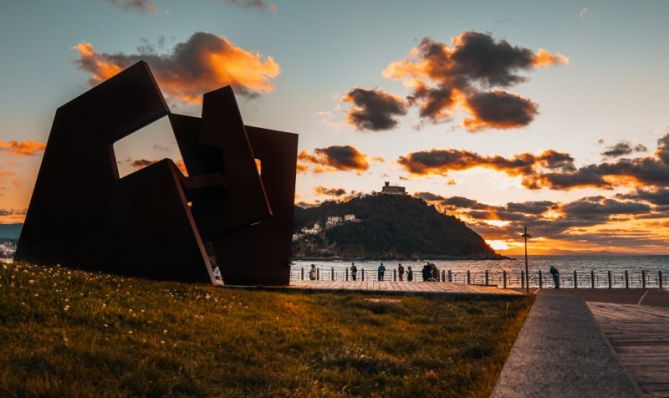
(354, 272)
(400, 271)
(409, 274)
(382, 270)
(312, 272)
(556, 276)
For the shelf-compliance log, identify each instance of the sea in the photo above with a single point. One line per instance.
(587, 268)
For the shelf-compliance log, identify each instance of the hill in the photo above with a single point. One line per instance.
(387, 227)
(66, 333)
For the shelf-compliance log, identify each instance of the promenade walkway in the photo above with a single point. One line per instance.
(640, 336)
(406, 287)
(561, 352)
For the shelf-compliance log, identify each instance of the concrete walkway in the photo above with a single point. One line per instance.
(561, 352)
(406, 287)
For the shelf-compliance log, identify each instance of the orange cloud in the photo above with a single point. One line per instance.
(22, 148)
(543, 58)
(320, 190)
(332, 158)
(202, 63)
(445, 77)
(442, 161)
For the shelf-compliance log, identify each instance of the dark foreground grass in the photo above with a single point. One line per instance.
(69, 333)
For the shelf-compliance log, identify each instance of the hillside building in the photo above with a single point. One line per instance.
(393, 189)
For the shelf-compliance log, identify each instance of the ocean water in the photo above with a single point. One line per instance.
(588, 268)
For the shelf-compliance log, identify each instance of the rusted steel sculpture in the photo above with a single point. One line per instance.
(156, 222)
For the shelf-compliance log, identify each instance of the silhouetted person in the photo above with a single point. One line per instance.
(556, 276)
(354, 271)
(409, 274)
(427, 272)
(435, 272)
(312, 272)
(382, 270)
(400, 271)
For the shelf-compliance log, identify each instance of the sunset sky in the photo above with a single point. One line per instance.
(553, 115)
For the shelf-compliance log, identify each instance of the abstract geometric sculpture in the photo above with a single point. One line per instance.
(156, 223)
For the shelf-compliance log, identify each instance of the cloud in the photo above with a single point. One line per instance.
(333, 158)
(443, 161)
(320, 190)
(134, 5)
(657, 196)
(445, 77)
(621, 149)
(498, 109)
(259, 5)
(202, 63)
(583, 13)
(374, 109)
(594, 220)
(600, 208)
(22, 148)
(550, 169)
(141, 163)
(428, 196)
(651, 171)
(12, 212)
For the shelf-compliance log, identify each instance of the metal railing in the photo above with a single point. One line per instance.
(506, 279)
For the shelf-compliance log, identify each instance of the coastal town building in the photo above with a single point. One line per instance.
(333, 221)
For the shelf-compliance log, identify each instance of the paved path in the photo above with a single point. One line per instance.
(409, 287)
(561, 352)
(640, 336)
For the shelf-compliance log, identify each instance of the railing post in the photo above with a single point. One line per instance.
(541, 281)
(486, 277)
(394, 275)
(609, 275)
(450, 276)
(627, 280)
(318, 274)
(443, 275)
(469, 278)
(504, 279)
(575, 280)
(332, 273)
(346, 274)
(363, 274)
(522, 279)
(302, 273)
(643, 279)
(592, 279)
(659, 275)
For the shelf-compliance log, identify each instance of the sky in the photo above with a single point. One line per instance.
(547, 114)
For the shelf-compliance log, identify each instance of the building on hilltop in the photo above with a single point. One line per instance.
(393, 189)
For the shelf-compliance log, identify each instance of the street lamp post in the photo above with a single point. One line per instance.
(525, 235)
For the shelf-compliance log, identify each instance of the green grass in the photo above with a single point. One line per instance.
(71, 333)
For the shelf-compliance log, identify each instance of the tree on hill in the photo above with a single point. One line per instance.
(391, 227)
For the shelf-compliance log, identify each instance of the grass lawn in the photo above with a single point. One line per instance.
(71, 333)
